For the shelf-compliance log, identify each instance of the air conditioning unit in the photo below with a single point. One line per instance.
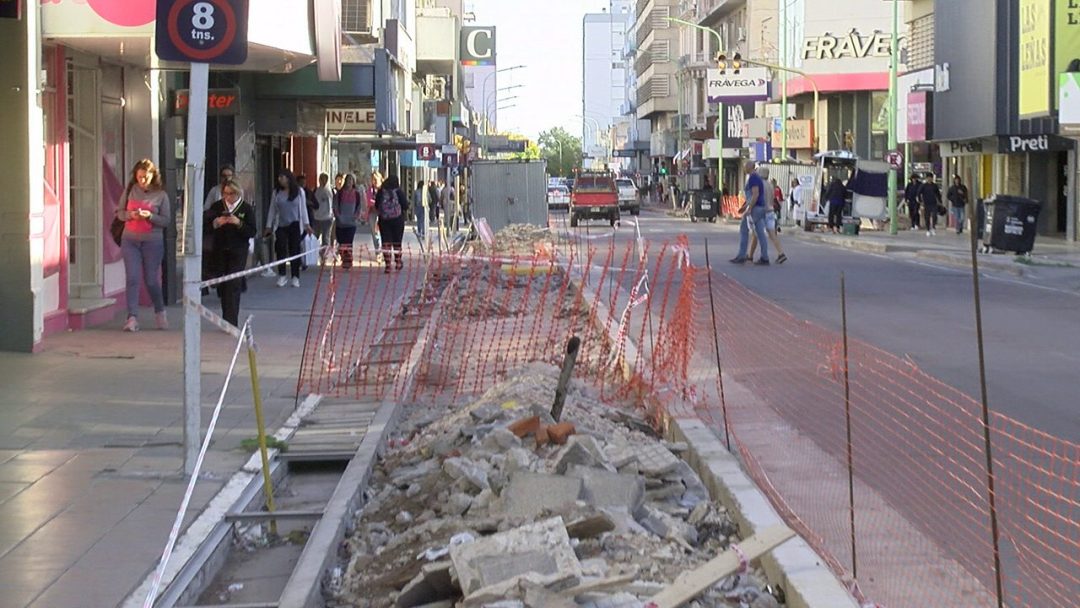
(356, 17)
(742, 35)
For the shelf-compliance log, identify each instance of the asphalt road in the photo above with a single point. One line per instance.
(915, 309)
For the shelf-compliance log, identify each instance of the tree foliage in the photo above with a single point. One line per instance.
(532, 152)
(561, 150)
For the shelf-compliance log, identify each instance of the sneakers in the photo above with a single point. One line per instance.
(931, 232)
(132, 324)
(282, 281)
(295, 282)
(161, 320)
(737, 260)
(761, 262)
(269, 272)
(781, 259)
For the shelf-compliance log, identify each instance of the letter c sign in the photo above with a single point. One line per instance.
(478, 46)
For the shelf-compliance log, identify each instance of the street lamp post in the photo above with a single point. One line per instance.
(894, 56)
(483, 91)
(719, 105)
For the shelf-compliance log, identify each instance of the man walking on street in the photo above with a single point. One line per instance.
(753, 211)
(930, 195)
(958, 200)
(911, 197)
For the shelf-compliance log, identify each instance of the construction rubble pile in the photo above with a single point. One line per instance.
(499, 505)
(524, 240)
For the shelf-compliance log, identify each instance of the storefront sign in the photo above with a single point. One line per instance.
(203, 31)
(219, 102)
(1069, 102)
(478, 45)
(748, 86)
(735, 126)
(1034, 49)
(1019, 144)
(359, 120)
(800, 135)
(1066, 37)
(10, 9)
(967, 147)
(425, 152)
(917, 105)
(851, 45)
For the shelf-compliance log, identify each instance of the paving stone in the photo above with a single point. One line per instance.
(540, 551)
(620, 454)
(654, 459)
(464, 468)
(601, 488)
(529, 494)
(580, 450)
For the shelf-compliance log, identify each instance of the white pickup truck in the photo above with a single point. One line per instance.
(628, 195)
(558, 197)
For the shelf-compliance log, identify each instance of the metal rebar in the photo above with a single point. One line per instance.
(572, 349)
(716, 348)
(999, 584)
(847, 415)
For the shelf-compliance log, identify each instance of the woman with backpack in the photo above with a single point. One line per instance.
(390, 203)
(347, 208)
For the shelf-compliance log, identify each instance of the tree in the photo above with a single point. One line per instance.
(532, 151)
(561, 150)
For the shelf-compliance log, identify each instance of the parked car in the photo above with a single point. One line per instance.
(594, 197)
(558, 197)
(628, 196)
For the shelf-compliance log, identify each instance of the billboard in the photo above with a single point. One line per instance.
(478, 45)
(1034, 62)
(748, 86)
(1066, 39)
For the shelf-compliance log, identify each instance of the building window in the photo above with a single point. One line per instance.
(920, 43)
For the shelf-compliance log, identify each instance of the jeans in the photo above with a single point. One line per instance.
(757, 216)
(913, 213)
(376, 237)
(958, 215)
(287, 245)
(323, 232)
(421, 223)
(142, 263)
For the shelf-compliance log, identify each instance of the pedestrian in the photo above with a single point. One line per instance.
(772, 206)
(366, 218)
(390, 208)
(225, 173)
(339, 181)
(958, 200)
(145, 211)
(777, 206)
(288, 222)
(836, 195)
(229, 225)
(911, 197)
(420, 209)
(446, 202)
(753, 215)
(347, 207)
(324, 217)
(794, 200)
(433, 202)
(930, 196)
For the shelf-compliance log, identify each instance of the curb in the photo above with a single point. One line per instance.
(806, 581)
(962, 260)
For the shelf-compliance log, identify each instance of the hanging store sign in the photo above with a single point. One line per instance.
(351, 120)
(852, 45)
(736, 127)
(1019, 144)
(918, 104)
(800, 135)
(1034, 51)
(219, 102)
(477, 45)
(202, 31)
(748, 86)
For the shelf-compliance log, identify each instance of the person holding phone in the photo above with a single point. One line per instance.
(228, 225)
(145, 211)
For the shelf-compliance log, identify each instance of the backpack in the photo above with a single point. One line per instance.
(388, 205)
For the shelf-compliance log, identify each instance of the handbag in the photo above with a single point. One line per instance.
(117, 230)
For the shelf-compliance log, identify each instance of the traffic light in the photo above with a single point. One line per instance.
(663, 168)
(735, 63)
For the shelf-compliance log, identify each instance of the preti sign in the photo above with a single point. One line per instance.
(748, 86)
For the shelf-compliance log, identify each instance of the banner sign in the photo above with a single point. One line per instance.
(202, 31)
(748, 86)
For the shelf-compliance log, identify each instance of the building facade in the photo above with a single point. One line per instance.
(603, 82)
(655, 62)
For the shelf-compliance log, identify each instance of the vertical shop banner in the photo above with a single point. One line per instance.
(1066, 38)
(1034, 48)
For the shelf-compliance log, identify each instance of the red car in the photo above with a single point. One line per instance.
(595, 197)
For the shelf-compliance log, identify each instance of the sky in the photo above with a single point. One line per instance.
(544, 36)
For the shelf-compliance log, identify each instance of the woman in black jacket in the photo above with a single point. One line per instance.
(228, 224)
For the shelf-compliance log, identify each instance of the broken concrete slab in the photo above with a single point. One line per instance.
(581, 450)
(432, 584)
(500, 439)
(592, 526)
(464, 468)
(529, 494)
(654, 459)
(601, 488)
(541, 551)
(665, 526)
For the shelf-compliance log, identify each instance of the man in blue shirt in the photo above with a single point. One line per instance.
(753, 211)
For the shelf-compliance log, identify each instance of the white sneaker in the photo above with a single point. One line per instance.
(933, 233)
(132, 324)
(928, 232)
(269, 272)
(295, 282)
(282, 281)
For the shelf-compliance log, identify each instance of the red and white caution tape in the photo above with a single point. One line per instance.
(250, 271)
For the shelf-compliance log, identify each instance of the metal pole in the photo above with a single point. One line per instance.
(892, 112)
(196, 156)
(784, 79)
(847, 415)
(260, 428)
(572, 349)
(716, 346)
(985, 410)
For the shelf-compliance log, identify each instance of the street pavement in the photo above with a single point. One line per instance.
(911, 295)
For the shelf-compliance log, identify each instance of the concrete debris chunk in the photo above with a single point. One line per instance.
(605, 489)
(432, 584)
(541, 550)
(501, 439)
(530, 494)
(580, 450)
(590, 527)
(665, 526)
(654, 459)
(463, 468)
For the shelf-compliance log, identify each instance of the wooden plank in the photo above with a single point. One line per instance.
(693, 583)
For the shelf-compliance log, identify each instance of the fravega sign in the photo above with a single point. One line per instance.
(851, 45)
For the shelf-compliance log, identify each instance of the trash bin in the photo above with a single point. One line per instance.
(705, 206)
(1011, 223)
(851, 226)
